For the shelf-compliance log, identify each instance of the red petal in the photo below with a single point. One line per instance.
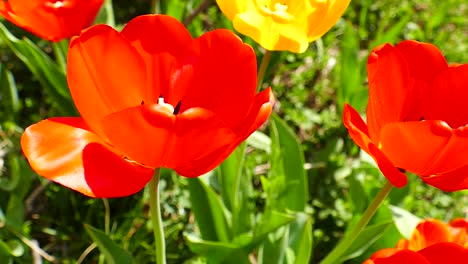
(154, 137)
(424, 59)
(390, 89)
(383, 253)
(224, 82)
(425, 147)
(258, 114)
(105, 74)
(51, 21)
(459, 229)
(166, 46)
(65, 151)
(403, 256)
(451, 181)
(444, 253)
(446, 98)
(358, 131)
(427, 233)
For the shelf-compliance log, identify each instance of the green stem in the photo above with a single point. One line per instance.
(60, 55)
(263, 67)
(106, 215)
(158, 228)
(109, 13)
(157, 7)
(347, 241)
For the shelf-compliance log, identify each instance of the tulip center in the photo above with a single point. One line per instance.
(167, 107)
(275, 10)
(56, 4)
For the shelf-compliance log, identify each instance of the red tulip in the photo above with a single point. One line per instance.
(440, 253)
(432, 242)
(416, 116)
(51, 19)
(149, 97)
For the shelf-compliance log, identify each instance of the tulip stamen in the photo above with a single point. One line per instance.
(278, 11)
(177, 108)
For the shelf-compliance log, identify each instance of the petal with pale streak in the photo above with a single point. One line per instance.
(65, 151)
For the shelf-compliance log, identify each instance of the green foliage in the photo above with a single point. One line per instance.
(286, 195)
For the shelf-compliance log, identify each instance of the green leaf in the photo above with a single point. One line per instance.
(271, 222)
(113, 253)
(217, 252)
(365, 239)
(260, 141)
(289, 237)
(236, 190)
(351, 77)
(300, 238)
(405, 221)
(176, 9)
(210, 214)
(48, 73)
(359, 199)
(287, 161)
(8, 87)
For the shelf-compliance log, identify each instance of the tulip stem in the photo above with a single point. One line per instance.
(110, 18)
(348, 239)
(263, 67)
(106, 216)
(60, 54)
(158, 228)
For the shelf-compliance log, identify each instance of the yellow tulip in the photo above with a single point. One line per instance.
(283, 25)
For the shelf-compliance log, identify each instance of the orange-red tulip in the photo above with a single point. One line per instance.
(51, 19)
(149, 97)
(432, 242)
(416, 115)
(440, 253)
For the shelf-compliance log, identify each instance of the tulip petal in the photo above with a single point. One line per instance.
(154, 137)
(425, 147)
(443, 253)
(390, 95)
(324, 18)
(223, 82)
(258, 114)
(166, 46)
(428, 233)
(105, 74)
(270, 34)
(446, 97)
(358, 131)
(459, 230)
(231, 8)
(65, 151)
(403, 256)
(51, 21)
(451, 181)
(424, 60)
